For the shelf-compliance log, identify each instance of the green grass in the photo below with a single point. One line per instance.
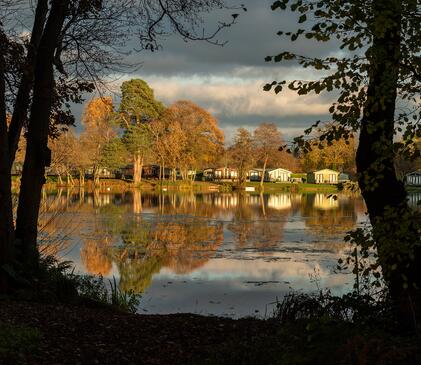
(413, 188)
(183, 185)
(304, 187)
(298, 175)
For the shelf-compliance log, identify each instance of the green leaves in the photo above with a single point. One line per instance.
(302, 18)
(138, 101)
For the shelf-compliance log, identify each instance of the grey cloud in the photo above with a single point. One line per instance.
(239, 64)
(290, 126)
(249, 41)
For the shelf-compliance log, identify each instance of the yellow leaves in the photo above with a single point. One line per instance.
(97, 112)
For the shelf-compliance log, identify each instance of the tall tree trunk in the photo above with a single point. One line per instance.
(262, 179)
(137, 168)
(20, 109)
(6, 208)
(398, 241)
(96, 176)
(38, 156)
(81, 177)
(81, 195)
(163, 170)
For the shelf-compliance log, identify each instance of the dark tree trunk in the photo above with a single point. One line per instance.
(38, 155)
(20, 109)
(6, 209)
(380, 187)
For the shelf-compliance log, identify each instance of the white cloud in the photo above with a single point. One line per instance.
(230, 97)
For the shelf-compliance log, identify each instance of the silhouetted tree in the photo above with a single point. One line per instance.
(378, 65)
(73, 44)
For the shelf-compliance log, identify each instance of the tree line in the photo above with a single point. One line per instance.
(182, 137)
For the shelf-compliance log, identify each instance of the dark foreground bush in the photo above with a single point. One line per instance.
(325, 329)
(56, 281)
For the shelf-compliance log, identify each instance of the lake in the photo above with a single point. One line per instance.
(226, 254)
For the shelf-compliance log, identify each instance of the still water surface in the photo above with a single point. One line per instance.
(210, 253)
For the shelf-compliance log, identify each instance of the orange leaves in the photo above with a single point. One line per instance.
(97, 112)
(199, 138)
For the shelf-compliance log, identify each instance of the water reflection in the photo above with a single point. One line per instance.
(243, 249)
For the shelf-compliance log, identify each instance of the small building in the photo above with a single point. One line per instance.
(413, 178)
(103, 172)
(273, 175)
(324, 176)
(255, 174)
(221, 173)
(150, 171)
(279, 175)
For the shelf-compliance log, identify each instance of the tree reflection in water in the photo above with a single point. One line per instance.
(143, 233)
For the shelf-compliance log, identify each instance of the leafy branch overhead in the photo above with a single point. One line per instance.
(351, 26)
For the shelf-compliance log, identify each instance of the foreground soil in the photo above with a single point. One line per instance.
(82, 335)
(35, 333)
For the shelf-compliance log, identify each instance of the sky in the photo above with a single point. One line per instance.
(228, 81)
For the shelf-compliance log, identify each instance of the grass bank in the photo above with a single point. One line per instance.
(294, 187)
(185, 185)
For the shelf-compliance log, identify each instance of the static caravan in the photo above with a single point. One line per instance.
(255, 174)
(279, 175)
(324, 176)
(271, 174)
(413, 178)
(221, 173)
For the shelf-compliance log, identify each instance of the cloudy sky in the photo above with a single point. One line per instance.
(228, 80)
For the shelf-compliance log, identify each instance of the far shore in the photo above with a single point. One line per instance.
(121, 185)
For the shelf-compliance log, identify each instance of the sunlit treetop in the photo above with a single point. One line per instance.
(138, 102)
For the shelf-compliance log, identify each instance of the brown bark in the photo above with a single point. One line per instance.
(20, 109)
(81, 177)
(137, 168)
(262, 179)
(377, 177)
(38, 155)
(6, 210)
(163, 170)
(96, 176)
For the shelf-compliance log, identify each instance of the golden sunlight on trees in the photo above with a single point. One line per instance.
(98, 132)
(138, 107)
(268, 140)
(242, 154)
(52, 54)
(202, 140)
(65, 156)
(338, 155)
